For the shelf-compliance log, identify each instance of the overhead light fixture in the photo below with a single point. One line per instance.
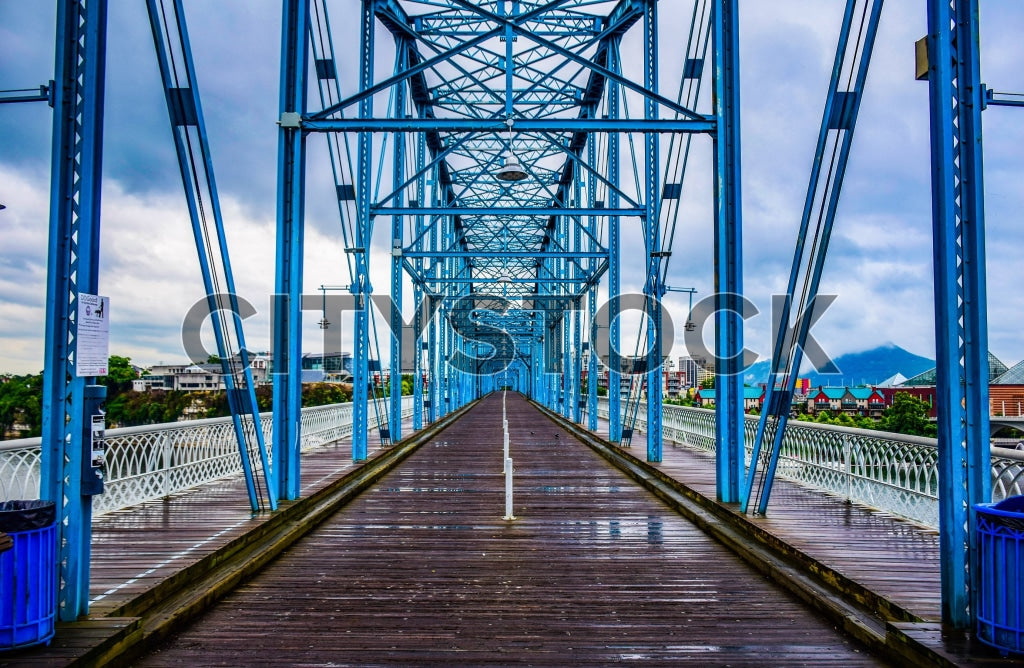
(511, 169)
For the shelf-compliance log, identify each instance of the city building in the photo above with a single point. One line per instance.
(695, 370)
(862, 401)
(753, 398)
(329, 363)
(199, 377)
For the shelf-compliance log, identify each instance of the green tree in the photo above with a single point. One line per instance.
(844, 420)
(265, 397)
(120, 374)
(907, 415)
(864, 422)
(708, 383)
(131, 409)
(21, 404)
(322, 394)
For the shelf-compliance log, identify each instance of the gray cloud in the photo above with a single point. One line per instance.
(880, 260)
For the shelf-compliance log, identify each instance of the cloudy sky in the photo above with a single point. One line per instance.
(880, 260)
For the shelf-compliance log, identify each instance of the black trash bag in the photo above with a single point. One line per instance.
(16, 516)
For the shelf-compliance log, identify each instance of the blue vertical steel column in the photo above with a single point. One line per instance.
(557, 358)
(444, 369)
(361, 286)
(592, 294)
(728, 255)
(398, 178)
(653, 290)
(418, 324)
(577, 363)
(443, 333)
(433, 375)
(614, 270)
(567, 351)
(577, 316)
(961, 332)
(538, 366)
(287, 332)
(443, 329)
(551, 339)
(73, 267)
(433, 342)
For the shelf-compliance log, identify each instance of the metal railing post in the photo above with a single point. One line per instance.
(167, 450)
(848, 465)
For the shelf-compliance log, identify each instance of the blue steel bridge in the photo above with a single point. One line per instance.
(505, 158)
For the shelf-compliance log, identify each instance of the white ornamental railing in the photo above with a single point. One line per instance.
(894, 473)
(155, 461)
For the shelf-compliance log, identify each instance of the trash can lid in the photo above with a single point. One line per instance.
(1012, 504)
(18, 516)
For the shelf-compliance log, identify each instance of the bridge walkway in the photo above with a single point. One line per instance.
(137, 548)
(141, 551)
(138, 552)
(422, 569)
(893, 558)
(884, 555)
(885, 568)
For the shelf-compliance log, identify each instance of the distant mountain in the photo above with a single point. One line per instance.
(868, 367)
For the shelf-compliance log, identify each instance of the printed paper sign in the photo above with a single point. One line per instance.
(93, 341)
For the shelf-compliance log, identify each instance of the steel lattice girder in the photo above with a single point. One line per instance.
(463, 50)
(478, 85)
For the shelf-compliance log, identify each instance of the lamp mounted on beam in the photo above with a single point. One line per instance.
(511, 169)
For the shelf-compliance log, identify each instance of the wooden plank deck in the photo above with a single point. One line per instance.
(422, 569)
(136, 548)
(894, 558)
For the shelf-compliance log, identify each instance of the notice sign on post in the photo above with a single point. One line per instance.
(93, 341)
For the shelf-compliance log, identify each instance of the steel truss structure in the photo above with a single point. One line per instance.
(957, 98)
(499, 149)
(70, 397)
(505, 273)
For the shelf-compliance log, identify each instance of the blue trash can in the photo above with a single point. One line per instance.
(28, 573)
(1000, 530)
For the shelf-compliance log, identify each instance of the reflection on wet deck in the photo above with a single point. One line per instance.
(421, 568)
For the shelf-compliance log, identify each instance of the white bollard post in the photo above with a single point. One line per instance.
(508, 462)
(508, 490)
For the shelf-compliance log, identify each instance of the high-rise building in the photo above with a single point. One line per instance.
(695, 370)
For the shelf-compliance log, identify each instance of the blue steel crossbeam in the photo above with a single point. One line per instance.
(502, 211)
(582, 125)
